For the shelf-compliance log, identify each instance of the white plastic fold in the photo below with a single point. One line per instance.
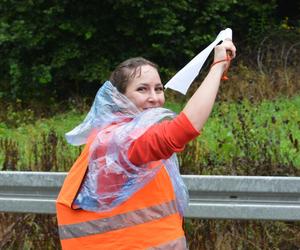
(184, 78)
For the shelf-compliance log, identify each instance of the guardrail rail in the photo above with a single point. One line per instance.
(211, 197)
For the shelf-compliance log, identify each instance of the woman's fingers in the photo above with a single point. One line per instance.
(229, 46)
(226, 47)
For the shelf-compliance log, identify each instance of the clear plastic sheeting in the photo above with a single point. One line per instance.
(109, 106)
(111, 178)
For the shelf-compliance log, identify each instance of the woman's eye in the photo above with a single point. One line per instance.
(141, 89)
(159, 89)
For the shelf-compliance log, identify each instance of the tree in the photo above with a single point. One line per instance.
(54, 48)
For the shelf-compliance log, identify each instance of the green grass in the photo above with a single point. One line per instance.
(276, 123)
(228, 130)
(32, 135)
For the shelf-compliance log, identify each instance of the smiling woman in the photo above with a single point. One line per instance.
(125, 190)
(146, 90)
(139, 80)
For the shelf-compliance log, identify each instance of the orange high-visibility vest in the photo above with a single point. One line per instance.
(149, 219)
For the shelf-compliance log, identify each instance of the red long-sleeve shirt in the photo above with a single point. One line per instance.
(162, 140)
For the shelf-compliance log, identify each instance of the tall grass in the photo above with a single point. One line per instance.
(40, 145)
(240, 138)
(28, 231)
(248, 139)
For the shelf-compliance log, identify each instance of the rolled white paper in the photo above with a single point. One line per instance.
(184, 78)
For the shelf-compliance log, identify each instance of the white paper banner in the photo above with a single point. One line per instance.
(184, 78)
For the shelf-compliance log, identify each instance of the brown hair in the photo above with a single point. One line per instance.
(127, 70)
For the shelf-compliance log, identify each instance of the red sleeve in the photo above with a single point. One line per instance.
(161, 140)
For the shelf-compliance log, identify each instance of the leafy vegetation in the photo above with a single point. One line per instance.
(236, 134)
(58, 48)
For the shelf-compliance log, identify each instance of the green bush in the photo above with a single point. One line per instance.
(59, 48)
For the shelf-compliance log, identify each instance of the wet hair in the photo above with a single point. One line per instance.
(127, 70)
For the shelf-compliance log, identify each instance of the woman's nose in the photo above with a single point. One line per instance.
(153, 97)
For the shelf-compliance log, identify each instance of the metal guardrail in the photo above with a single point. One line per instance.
(211, 197)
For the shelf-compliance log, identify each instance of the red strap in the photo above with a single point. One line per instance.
(227, 59)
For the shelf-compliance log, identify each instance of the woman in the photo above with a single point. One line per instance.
(125, 191)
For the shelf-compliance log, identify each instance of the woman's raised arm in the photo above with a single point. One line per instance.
(201, 103)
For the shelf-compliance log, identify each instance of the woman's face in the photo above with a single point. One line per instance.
(146, 90)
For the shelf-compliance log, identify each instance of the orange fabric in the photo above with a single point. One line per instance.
(75, 176)
(138, 237)
(162, 140)
(158, 191)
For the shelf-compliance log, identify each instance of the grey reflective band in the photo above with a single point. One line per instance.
(116, 222)
(178, 244)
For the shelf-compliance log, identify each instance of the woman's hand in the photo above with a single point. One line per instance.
(222, 51)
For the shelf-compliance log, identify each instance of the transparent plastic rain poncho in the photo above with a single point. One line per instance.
(111, 178)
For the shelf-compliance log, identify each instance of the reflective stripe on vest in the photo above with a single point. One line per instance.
(116, 222)
(174, 244)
